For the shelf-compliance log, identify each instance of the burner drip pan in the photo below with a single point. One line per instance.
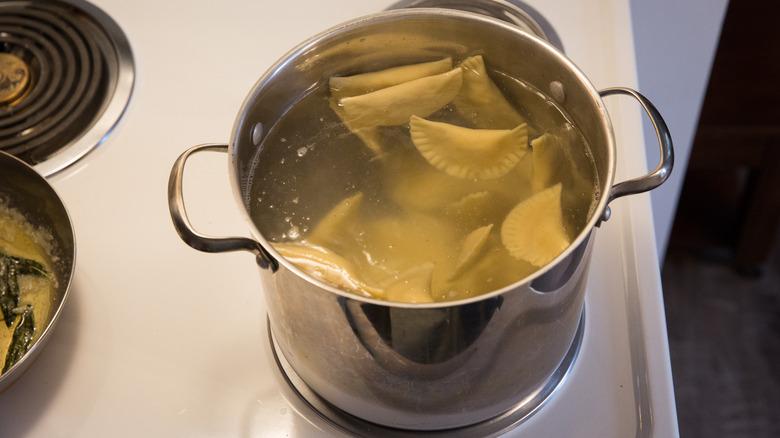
(66, 75)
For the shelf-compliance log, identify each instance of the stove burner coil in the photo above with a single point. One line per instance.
(60, 65)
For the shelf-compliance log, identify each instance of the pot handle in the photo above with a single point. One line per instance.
(184, 227)
(661, 173)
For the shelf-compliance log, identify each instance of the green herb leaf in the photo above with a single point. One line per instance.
(28, 267)
(22, 338)
(10, 268)
(9, 290)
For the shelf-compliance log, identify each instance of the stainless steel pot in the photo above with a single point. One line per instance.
(26, 191)
(424, 366)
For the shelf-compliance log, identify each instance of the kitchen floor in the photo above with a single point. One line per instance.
(724, 326)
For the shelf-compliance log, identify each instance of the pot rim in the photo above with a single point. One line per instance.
(435, 13)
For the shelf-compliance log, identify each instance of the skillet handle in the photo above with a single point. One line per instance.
(184, 227)
(661, 173)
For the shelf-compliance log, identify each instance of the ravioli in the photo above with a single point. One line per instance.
(410, 182)
(481, 102)
(471, 249)
(406, 240)
(469, 153)
(396, 104)
(361, 84)
(369, 135)
(533, 230)
(348, 86)
(474, 209)
(326, 266)
(412, 286)
(333, 230)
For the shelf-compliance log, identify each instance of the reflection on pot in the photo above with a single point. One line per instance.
(422, 344)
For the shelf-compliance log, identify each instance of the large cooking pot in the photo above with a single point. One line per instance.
(25, 192)
(423, 366)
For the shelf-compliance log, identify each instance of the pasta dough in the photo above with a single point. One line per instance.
(472, 248)
(333, 231)
(348, 86)
(326, 266)
(396, 104)
(533, 230)
(362, 84)
(469, 153)
(481, 102)
(413, 286)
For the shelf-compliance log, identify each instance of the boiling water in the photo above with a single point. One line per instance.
(411, 217)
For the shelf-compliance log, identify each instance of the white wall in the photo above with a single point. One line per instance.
(675, 44)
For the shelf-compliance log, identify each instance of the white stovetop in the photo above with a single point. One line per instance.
(158, 339)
